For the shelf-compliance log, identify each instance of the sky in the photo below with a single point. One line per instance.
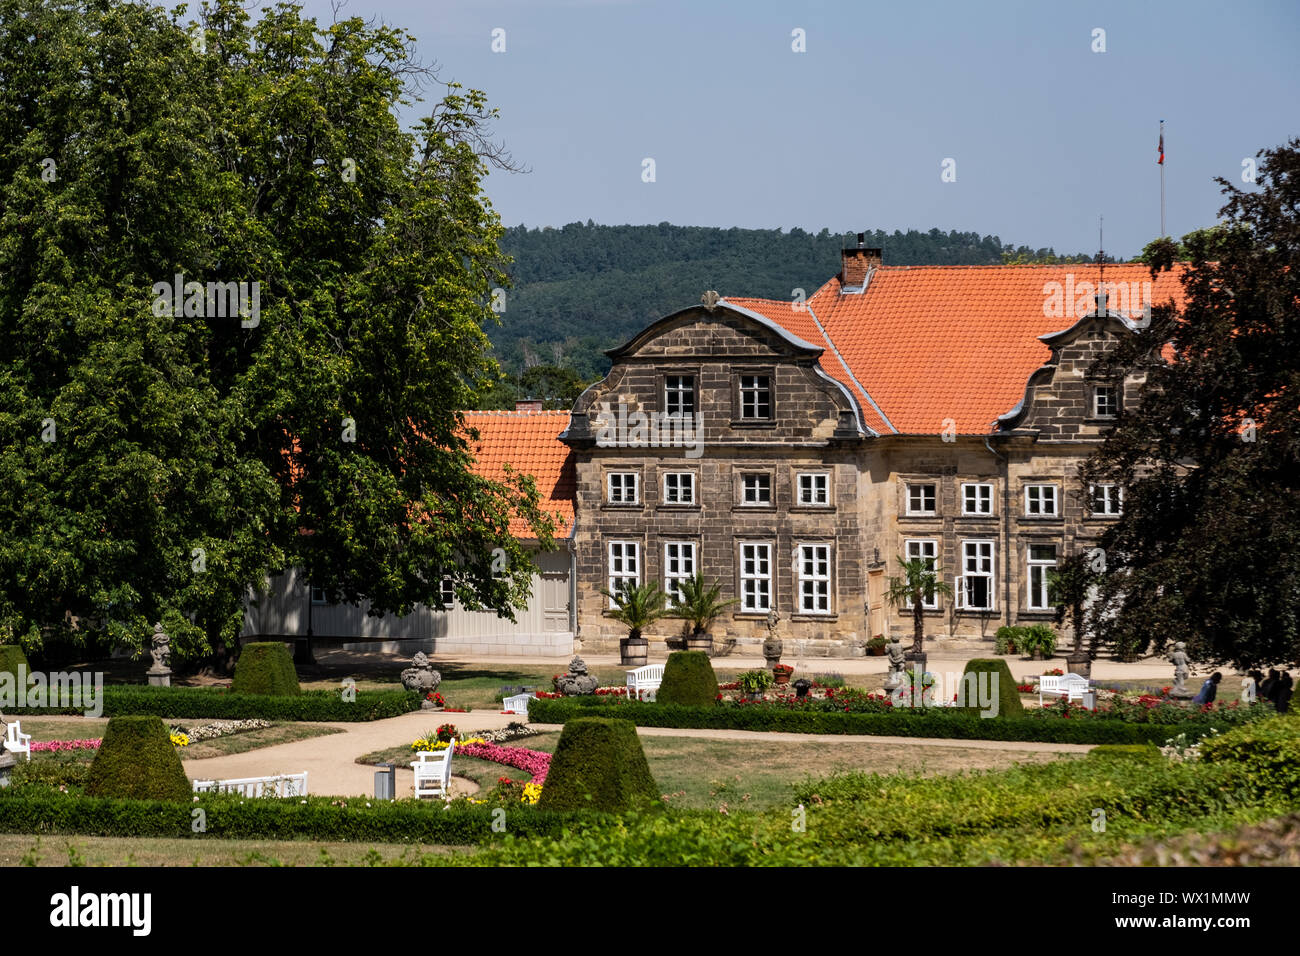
(1042, 123)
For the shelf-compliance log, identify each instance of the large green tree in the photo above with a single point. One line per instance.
(158, 464)
(1208, 548)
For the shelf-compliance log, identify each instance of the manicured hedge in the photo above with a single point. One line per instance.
(265, 668)
(688, 680)
(1143, 752)
(929, 723)
(1268, 751)
(598, 765)
(1008, 695)
(319, 818)
(11, 657)
(137, 759)
(181, 702)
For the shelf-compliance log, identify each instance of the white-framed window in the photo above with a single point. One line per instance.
(755, 396)
(756, 489)
(317, 595)
(1041, 501)
(1106, 499)
(921, 498)
(975, 583)
(927, 549)
(814, 488)
(679, 565)
(976, 498)
(1105, 401)
(755, 577)
(679, 394)
(1040, 559)
(624, 565)
(813, 572)
(448, 592)
(623, 488)
(679, 488)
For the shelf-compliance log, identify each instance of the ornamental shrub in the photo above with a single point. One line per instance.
(11, 657)
(265, 668)
(1004, 639)
(217, 703)
(1004, 687)
(1266, 753)
(137, 759)
(688, 680)
(1144, 752)
(598, 765)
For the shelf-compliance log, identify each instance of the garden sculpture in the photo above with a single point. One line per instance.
(420, 676)
(897, 661)
(1181, 671)
(577, 682)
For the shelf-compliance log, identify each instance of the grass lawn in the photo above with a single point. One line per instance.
(25, 850)
(42, 728)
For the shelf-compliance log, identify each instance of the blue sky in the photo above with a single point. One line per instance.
(1046, 134)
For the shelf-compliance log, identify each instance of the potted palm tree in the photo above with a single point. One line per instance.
(918, 583)
(637, 606)
(699, 604)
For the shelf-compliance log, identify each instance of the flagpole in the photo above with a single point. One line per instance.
(1162, 179)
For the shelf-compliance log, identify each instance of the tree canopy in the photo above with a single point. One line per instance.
(297, 403)
(1208, 547)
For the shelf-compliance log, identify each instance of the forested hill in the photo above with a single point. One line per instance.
(581, 289)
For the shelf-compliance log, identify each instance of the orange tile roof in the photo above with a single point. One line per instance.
(930, 343)
(528, 442)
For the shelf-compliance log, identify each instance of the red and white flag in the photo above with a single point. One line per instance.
(1161, 160)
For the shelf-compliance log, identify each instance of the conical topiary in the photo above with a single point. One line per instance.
(598, 765)
(1003, 687)
(265, 668)
(11, 658)
(688, 679)
(137, 759)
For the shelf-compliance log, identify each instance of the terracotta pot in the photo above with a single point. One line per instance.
(782, 678)
(876, 651)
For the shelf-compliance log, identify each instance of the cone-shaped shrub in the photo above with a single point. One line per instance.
(598, 765)
(265, 668)
(138, 760)
(688, 680)
(1003, 687)
(11, 657)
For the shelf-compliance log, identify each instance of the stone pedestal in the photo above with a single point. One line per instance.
(7, 761)
(159, 678)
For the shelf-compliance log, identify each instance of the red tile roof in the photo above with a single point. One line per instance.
(528, 442)
(930, 343)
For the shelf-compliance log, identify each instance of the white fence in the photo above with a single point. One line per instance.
(286, 785)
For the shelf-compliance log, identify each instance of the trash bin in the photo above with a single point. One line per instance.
(386, 782)
(1090, 699)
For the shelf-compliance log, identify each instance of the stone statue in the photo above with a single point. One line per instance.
(897, 656)
(1181, 671)
(577, 682)
(421, 677)
(160, 649)
(1248, 690)
(772, 647)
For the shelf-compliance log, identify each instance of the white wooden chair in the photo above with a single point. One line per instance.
(1069, 686)
(645, 680)
(518, 704)
(16, 741)
(433, 772)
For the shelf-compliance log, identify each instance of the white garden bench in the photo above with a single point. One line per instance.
(16, 741)
(1069, 686)
(518, 704)
(433, 772)
(286, 785)
(645, 680)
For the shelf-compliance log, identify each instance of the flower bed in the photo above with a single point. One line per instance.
(55, 746)
(179, 703)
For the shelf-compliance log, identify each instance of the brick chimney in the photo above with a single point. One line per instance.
(857, 263)
(528, 405)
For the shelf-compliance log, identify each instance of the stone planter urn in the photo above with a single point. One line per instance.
(633, 650)
(772, 646)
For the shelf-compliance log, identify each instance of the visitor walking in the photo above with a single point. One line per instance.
(1282, 693)
(1269, 682)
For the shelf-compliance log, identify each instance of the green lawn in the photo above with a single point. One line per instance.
(24, 850)
(64, 728)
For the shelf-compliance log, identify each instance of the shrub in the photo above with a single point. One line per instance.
(11, 657)
(137, 760)
(754, 682)
(1004, 639)
(598, 765)
(265, 668)
(1036, 637)
(215, 702)
(688, 680)
(1008, 695)
(831, 679)
(1266, 752)
(1145, 752)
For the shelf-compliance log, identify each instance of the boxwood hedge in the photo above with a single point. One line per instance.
(137, 759)
(170, 702)
(928, 723)
(265, 668)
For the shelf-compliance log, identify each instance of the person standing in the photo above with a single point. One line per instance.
(1282, 692)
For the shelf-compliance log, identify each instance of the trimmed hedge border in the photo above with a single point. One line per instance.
(181, 702)
(929, 724)
(273, 819)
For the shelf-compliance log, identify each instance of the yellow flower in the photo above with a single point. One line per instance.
(180, 740)
(532, 791)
